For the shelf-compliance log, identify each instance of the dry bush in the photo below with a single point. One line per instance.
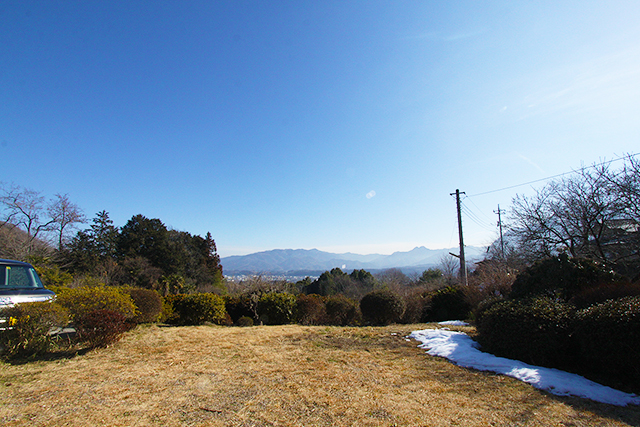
(100, 328)
(148, 302)
(310, 310)
(490, 279)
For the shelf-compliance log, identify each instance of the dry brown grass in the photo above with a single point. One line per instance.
(278, 376)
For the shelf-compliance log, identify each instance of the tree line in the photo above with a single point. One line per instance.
(142, 253)
(593, 214)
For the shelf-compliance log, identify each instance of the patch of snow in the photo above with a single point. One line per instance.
(459, 348)
(454, 323)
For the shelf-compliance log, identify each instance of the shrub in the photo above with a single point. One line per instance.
(490, 279)
(167, 311)
(28, 326)
(196, 309)
(276, 308)
(84, 300)
(53, 276)
(242, 306)
(148, 303)
(170, 309)
(484, 306)
(101, 327)
(227, 321)
(381, 307)
(341, 311)
(417, 305)
(245, 321)
(310, 310)
(536, 331)
(608, 335)
(561, 277)
(600, 294)
(448, 303)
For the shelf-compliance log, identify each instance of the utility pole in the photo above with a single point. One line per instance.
(499, 212)
(463, 264)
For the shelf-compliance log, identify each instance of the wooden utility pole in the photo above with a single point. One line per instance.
(499, 212)
(463, 264)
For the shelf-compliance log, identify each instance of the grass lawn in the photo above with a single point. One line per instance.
(278, 376)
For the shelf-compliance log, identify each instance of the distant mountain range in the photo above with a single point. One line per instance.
(301, 262)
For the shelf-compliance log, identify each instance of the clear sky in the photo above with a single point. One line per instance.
(337, 125)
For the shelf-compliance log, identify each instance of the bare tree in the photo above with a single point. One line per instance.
(64, 216)
(449, 267)
(30, 223)
(395, 280)
(24, 209)
(589, 214)
(626, 185)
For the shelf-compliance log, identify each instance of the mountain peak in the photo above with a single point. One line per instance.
(280, 261)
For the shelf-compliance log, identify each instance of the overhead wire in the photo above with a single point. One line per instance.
(479, 210)
(477, 220)
(488, 225)
(629, 156)
(474, 217)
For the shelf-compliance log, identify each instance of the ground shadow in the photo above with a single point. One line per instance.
(629, 414)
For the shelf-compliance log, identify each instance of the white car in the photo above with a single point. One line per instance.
(20, 283)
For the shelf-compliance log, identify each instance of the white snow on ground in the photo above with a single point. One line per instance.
(459, 348)
(454, 323)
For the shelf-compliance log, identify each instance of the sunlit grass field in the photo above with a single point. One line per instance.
(278, 376)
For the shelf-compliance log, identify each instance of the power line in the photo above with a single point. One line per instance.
(555, 176)
(477, 220)
(479, 210)
(473, 216)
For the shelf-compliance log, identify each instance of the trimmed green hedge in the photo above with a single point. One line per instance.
(381, 307)
(448, 303)
(533, 330)
(276, 308)
(196, 309)
(608, 336)
(601, 342)
(86, 299)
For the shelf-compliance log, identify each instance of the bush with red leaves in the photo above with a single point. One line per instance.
(100, 328)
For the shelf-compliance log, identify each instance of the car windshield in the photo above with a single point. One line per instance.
(18, 276)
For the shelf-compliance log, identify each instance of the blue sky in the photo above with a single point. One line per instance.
(337, 125)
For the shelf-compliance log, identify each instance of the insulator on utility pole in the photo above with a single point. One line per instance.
(463, 264)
